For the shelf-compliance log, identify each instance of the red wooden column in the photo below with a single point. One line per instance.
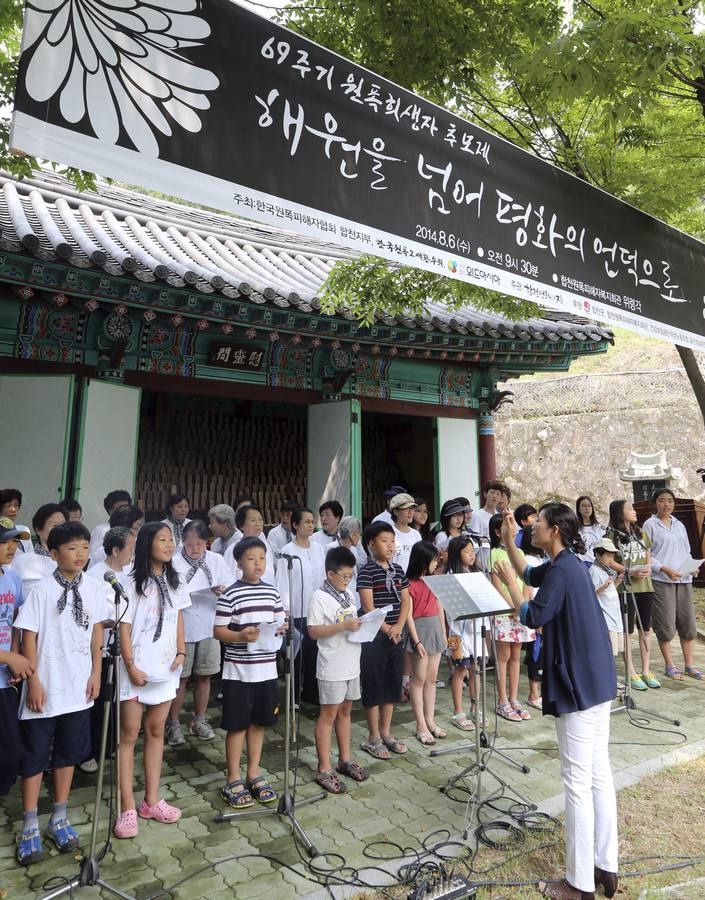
(486, 448)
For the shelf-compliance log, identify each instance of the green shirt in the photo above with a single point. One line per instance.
(636, 555)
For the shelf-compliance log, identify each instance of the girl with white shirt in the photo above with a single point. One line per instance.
(32, 567)
(153, 651)
(307, 575)
(673, 608)
(590, 529)
(177, 509)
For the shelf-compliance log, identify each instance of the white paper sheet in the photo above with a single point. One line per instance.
(207, 595)
(370, 624)
(268, 641)
(689, 566)
(468, 594)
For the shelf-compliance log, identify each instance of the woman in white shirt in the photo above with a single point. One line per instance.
(153, 652)
(177, 509)
(590, 529)
(350, 536)
(673, 609)
(32, 567)
(307, 574)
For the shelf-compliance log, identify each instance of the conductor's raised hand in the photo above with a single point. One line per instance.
(509, 528)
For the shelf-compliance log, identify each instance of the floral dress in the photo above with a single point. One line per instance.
(509, 628)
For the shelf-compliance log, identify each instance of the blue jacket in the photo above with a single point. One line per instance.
(579, 670)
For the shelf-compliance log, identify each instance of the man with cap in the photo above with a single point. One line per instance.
(401, 509)
(392, 491)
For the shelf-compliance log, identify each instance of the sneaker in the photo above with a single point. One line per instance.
(173, 734)
(637, 684)
(202, 729)
(89, 766)
(29, 847)
(219, 696)
(650, 680)
(63, 834)
(440, 684)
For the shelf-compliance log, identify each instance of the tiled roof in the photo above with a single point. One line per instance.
(125, 232)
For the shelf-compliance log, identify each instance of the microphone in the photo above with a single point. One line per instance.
(115, 584)
(624, 538)
(477, 536)
(280, 555)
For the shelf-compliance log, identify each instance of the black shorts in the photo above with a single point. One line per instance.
(248, 703)
(10, 743)
(381, 669)
(645, 604)
(71, 733)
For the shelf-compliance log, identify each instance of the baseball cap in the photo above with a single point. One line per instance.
(605, 544)
(394, 490)
(8, 530)
(402, 501)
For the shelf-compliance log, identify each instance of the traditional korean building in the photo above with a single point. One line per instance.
(149, 345)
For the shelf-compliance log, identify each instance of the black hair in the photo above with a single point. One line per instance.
(562, 517)
(593, 517)
(339, 558)
(617, 523)
(525, 543)
(142, 568)
(70, 506)
(241, 498)
(494, 526)
(7, 495)
(288, 506)
(173, 500)
(373, 531)
(298, 515)
(125, 517)
(39, 519)
(500, 486)
(64, 534)
(523, 511)
(599, 551)
(335, 507)
(422, 555)
(425, 529)
(454, 564)
(445, 520)
(200, 529)
(660, 492)
(116, 539)
(241, 514)
(115, 497)
(246, 544)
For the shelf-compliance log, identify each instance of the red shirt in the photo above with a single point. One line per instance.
(424, 600)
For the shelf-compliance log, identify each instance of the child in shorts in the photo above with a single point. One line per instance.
(250, 690)
(62, 635)
(332, 614)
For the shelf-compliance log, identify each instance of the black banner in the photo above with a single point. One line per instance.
(222, 107)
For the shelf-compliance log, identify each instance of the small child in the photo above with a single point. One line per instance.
(382, 583)
(605, 582)
(332, 613)
(464, 655)
(62, 635)
(250, 691)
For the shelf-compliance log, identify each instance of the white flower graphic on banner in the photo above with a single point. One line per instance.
(120, 63)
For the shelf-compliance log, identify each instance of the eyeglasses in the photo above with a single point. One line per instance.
(345, 578)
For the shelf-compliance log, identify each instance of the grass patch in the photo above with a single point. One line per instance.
(659, 819)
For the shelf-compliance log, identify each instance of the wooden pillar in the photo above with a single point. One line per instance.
(486, 448)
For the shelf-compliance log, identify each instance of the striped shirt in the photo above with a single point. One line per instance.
(379, 580)
(244, 604)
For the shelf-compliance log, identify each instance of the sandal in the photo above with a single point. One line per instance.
(438, 733)
(376, 749)
(160, 812)
(352, 770)
(63, 834)
(694, 673)
(261, 790)
(29, 847)
(241, 799)
(391, 743)
(126, 825)
(506, 711)
(535, 702)
(517, 707)
(425, 738)
(330, 782)
(461, 721)
(674, 673)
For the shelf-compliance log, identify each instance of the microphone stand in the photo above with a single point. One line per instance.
(89, 874)
(286, 808)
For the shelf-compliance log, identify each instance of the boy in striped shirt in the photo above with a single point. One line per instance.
(250, 692)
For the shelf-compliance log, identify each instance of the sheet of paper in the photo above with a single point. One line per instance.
(470, 595)
(486, 596)
(370, 624)
(268, 641)
(204, 596)
(688, 565)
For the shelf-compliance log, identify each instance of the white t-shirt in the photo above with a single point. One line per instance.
(199, 617)
(97, 536)
(385, 516)
(591, 534)
(98, 571)
(338, 658)
(320, 537)
(442, 540)
(64, 661)
(32, 568)
(480, 522)
(313, 566)
(608, 599)
(152, 657)
(405, 540)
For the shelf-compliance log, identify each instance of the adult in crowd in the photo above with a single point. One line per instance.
(221, 521)
(579, 680)
(177, 510)
(673, 609)
(329, 513)
(590, 529)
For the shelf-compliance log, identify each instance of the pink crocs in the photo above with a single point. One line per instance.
(126, 825)
(160, 812)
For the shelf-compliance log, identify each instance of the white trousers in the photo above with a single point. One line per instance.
(590, 800)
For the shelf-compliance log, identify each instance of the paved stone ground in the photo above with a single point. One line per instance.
(400, 802)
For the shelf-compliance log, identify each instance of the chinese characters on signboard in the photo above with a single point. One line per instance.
(235, 356)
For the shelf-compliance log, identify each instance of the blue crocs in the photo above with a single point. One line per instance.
(64, 835)
(29, 847)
